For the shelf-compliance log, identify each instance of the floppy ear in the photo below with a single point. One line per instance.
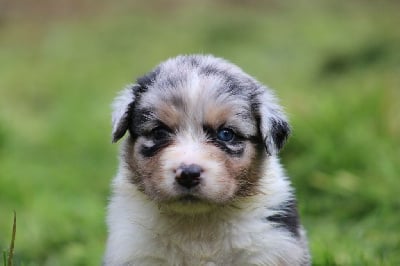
(121, 114)
(273, 124)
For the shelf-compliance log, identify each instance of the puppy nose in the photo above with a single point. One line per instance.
(188, 176)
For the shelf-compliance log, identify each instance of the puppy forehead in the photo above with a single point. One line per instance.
(216, 75)
(198, 95)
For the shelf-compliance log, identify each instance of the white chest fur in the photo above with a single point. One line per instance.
(142, 234)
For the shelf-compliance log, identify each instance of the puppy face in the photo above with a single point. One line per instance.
(199, 132)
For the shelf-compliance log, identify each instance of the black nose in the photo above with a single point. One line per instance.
(188, 176)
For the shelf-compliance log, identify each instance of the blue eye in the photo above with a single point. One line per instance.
(225, 134)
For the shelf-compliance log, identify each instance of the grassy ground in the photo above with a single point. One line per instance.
(335, 65)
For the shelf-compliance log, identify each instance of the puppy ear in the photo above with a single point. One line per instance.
(273, 124)
(121, 114)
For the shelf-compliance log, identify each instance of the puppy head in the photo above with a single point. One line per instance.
(200, 130)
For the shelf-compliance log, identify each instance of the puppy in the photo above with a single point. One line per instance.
(199, 181)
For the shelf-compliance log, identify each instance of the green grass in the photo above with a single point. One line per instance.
(335, 66)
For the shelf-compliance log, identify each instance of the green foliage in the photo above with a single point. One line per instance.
(8, 256)
(336, 67)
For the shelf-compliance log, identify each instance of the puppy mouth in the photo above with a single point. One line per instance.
(189, 199)
(189, 204)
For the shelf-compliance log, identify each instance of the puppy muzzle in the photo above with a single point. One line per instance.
(188, 176)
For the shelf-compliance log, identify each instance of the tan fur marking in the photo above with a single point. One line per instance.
(216, 116)
(169, 115)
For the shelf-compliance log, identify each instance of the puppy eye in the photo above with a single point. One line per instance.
(225, 134)
(159, 133)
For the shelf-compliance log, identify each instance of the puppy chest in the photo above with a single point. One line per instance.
(186, 250)
(215, 245)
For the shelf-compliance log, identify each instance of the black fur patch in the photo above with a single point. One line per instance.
(147, 80)
(122, 127)
(125, 123)
(153, 150)
(280, 132)
(288, 218)
(139, 116)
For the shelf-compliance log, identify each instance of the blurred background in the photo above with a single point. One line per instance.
(334, 64)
